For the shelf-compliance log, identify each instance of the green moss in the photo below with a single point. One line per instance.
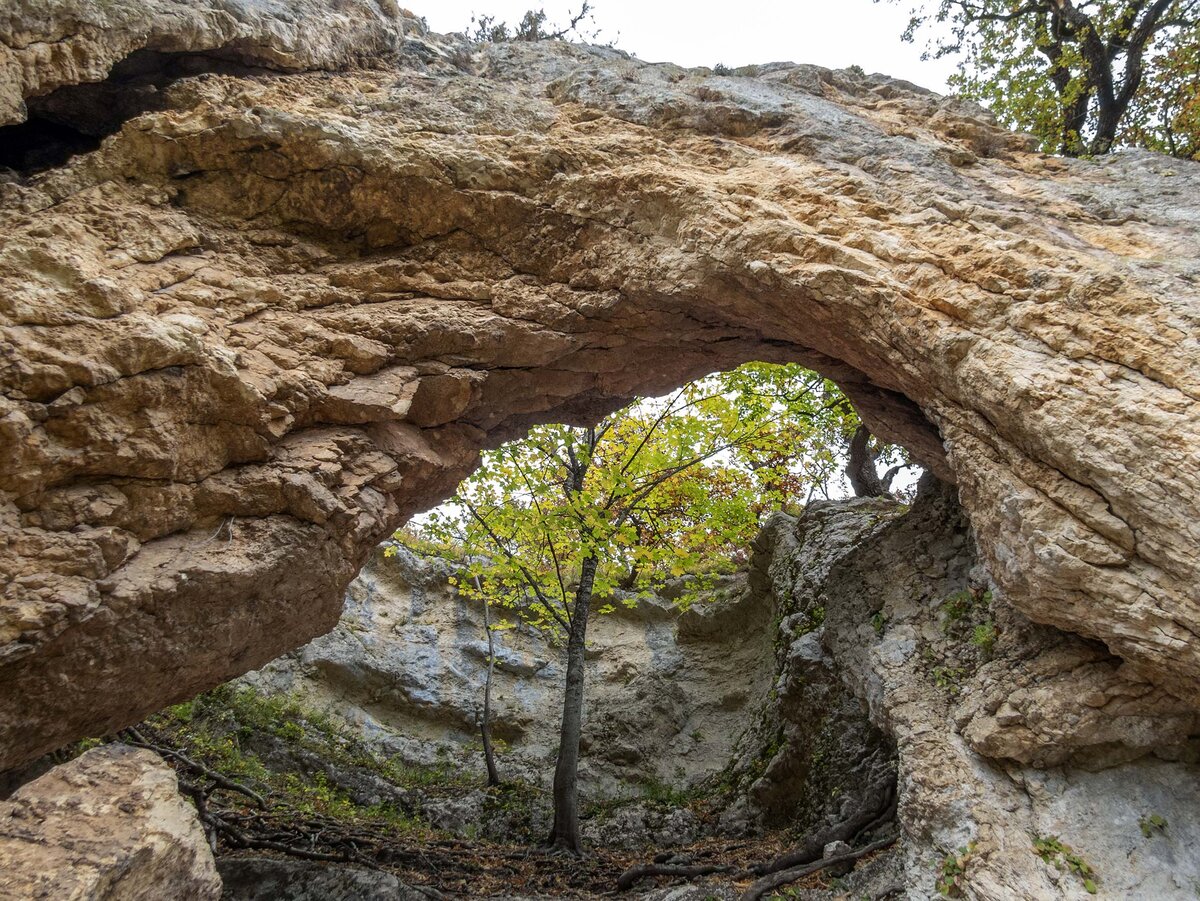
(1152, 823)
(223, 727)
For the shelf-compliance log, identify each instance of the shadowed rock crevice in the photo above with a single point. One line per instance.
(74, 119)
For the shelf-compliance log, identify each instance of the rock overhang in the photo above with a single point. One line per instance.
(263, 325)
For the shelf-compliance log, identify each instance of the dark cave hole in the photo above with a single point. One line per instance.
(74, 119)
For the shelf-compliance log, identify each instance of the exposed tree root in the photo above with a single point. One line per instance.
(634, 875)
(783, 877)
(132, 737)
(795, 864)
(863, 820)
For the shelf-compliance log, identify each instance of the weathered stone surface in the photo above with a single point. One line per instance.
(812, 757)
(894, 629)
(270, 879)
(406, 663)
(107, 826)
(47, 44)
(189, 476)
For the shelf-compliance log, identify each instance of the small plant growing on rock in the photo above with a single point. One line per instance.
(957, 607)
(948, 678)
(983, 636)
(1152, 823)
(534, 26)
(878, 622)
(813, 620)
(953, 869)
(722, 69)
(1054, 851)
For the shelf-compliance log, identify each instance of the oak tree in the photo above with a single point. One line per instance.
(1084, 76)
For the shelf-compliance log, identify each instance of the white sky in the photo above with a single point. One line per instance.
(833, 33)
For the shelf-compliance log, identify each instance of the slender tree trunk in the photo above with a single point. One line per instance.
(864, 478)
(565, 833)
(1108, 119)
(1075, 116)
(485, 726)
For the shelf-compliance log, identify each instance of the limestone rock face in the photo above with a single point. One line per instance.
(902, 600)
(275, 315)
(405, 668)
(107, 826)
(46, 44)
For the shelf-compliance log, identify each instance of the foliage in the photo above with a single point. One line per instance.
(666, 488)
(667, 795)
(962, 605)
(949, 678)
(878, 622)
(223, 728)
(812, 620)
(1053, 851)
(1082, 75)
(1165, 114)
(669, 488)
(964, 615)
(983, 636)
(534, 26)
(953, 868)
(1151, 822)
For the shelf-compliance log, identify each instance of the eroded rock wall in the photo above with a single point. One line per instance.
(667, 694)
(914, 626)
(267, 322)
(51, 44)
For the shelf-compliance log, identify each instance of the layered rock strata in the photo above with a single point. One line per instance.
(273, 317)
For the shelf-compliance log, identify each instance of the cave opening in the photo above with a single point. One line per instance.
(74, 119)
(701, 719)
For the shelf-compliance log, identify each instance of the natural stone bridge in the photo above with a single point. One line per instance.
(282, 310)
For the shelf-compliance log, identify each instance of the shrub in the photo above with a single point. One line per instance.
(534, 26)
(953, 869)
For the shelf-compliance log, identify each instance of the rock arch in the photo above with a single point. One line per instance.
(257, 329)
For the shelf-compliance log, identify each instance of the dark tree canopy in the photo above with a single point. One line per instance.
(1084, 76)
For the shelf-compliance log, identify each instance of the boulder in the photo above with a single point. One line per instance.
(109, 825)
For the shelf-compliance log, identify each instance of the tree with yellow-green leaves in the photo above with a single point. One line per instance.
(574, 520)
